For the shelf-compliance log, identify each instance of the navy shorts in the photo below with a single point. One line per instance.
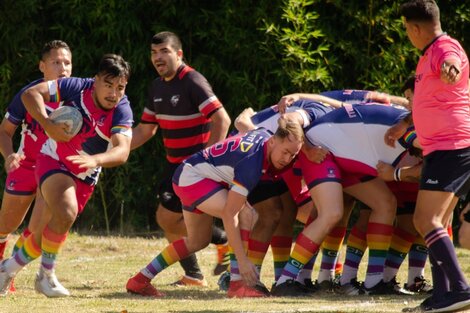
(447, 170)
(266, 189)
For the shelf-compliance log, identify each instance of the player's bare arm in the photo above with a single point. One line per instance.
(233, 206)
(116, 156)
(142, 133)
(34, 99)
(12, 159)
(219, 127)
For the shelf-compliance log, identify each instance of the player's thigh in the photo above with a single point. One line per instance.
(59, 192)
(40, 215)
(13, 211)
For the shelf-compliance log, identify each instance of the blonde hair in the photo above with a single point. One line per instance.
(287, 127)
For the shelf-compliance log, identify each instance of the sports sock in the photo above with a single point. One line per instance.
(256, 252)
(399, 247)
(378, 241)
(30, 251)
(303, 251)
(3, 244)
(169, 255)
(280, 247)
(442, 250)
(19, 243)
(330, 248)
(51, 244)
(356, 246)
(234, 270)
(219, 237)
(306, 271)
(191, 267)
(439, 279)
(417, 259)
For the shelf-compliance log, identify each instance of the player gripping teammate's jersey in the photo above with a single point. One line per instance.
(98, 125)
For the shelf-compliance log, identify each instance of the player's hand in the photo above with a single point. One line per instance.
(13, 161)
(57, 131)
(83, 161)
(385, 171)
(286, 101)
(315, 154)
(450, 73)
(248, 272)
(394, 133)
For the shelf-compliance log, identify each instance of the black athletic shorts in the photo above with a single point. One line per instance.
(447, 170)
(266, 189)
(165, 193)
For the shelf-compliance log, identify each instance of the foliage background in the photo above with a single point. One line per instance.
(252, 52)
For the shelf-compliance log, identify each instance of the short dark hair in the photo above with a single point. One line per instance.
(114, 65)
(53, 44)
(409, 84)
(420, 11)
(168, 37)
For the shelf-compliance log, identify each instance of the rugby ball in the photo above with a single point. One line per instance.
(70, 116)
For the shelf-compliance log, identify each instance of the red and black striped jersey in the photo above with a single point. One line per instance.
(182, 108)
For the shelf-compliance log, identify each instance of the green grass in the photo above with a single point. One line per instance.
(95, 269)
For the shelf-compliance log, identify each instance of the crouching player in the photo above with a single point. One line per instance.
(216, 182)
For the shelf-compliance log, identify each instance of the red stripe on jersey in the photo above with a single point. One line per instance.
(181, 124)
(149, 118)
(182, 143)
(211, 107)
(176, 159)
(186, 69)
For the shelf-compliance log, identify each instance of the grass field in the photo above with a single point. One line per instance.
(95, 269)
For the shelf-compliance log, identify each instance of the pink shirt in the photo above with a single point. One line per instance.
(441, 112)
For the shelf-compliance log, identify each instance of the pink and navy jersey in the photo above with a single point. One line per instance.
(354, 135)
(351, 96)
(32, 133)
(98, 125)
(182, 108)
(441, 112)
(268, 117)
(237, 162)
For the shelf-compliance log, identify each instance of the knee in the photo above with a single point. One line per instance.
(331, 217)
(196, 243)
(269, 217)
(165, 220)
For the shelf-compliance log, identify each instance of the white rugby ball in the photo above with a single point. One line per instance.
(70, 116)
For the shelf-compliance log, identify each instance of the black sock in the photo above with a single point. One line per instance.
(191, 267)
(219, 237)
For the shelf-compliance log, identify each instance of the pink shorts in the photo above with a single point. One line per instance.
(193, 195)
(47, 166)
(21, 181)
(346, 172)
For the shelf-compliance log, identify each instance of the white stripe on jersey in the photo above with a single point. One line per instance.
(207, 102)
(177, 117)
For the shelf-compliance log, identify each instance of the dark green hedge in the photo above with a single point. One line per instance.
(252, 52)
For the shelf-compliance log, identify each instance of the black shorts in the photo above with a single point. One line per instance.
(447, 170)
(165, 193)
(266, 189)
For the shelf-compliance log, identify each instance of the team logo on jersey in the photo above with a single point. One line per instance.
(331, 172)
(174, 100)
(101, 120)
(245, 146)
(11, 184)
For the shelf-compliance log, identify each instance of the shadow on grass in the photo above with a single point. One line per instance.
(171, 295)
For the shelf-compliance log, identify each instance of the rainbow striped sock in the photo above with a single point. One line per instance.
(303, 251)
(3, 244)
(256, 252)
(399, 246)
(356, 246)
(51, 244)
(280, 247)
(234, 270)
(19, 243)
(378, 240)
(306, 271)
(330, 248)
(417, 258)
(30, 251)
(174, 252)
